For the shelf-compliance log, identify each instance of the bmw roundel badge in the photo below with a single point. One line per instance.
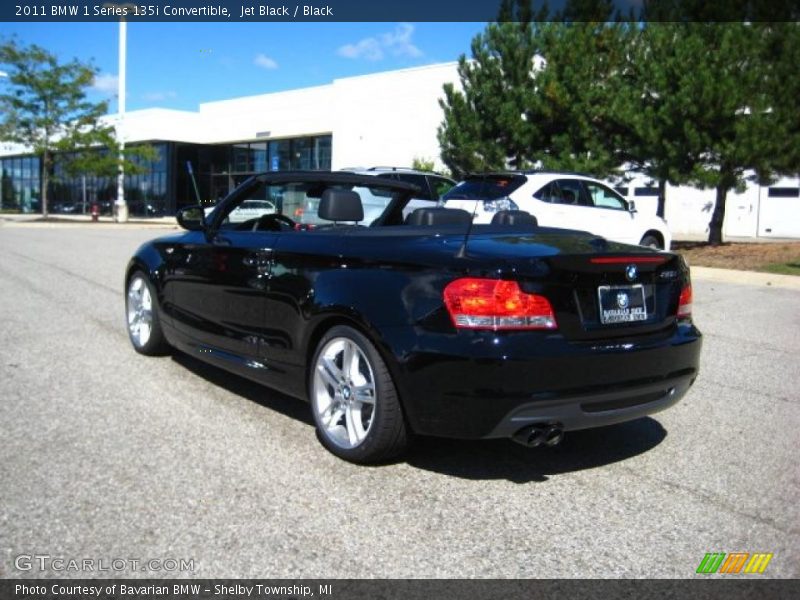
(631, 272)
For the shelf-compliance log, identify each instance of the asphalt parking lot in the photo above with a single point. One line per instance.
(107, 454)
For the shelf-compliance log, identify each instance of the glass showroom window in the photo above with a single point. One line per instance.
(19, 184)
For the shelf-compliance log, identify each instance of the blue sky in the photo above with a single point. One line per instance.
(178, 65)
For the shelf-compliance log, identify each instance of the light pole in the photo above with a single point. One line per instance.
(121, 205)
(2, 74)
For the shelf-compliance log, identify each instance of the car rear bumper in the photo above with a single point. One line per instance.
(596, 409)
(485, 385)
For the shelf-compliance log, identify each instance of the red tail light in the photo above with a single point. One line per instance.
(685, 302)
(496, 304)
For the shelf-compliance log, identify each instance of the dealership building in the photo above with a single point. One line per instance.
(381, 119)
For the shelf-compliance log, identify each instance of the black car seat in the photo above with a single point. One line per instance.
(514, 217)
(438, 216)
(340, 205)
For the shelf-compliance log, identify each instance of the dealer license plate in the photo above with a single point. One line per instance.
(622, 303)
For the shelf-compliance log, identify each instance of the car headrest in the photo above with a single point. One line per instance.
(514, 217)
(340, 205)
(439, 216)
(570, 197)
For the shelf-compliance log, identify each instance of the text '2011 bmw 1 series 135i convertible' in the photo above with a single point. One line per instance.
(416, 322)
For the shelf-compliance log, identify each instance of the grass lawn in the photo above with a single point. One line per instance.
(780, 257)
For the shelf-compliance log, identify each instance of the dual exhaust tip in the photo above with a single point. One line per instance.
(540, 434)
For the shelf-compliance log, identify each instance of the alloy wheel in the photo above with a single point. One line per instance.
(344, 392)
(140, 312)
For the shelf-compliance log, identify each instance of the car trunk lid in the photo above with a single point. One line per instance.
(598, 289)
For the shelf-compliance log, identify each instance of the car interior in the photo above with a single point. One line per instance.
(324, 206)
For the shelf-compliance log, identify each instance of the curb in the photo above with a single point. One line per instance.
(103, 223)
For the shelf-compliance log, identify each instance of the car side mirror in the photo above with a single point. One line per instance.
(192, 218)
(631, 206)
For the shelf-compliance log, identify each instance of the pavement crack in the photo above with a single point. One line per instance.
(57, 301)
(713, 499)
(65, 270)
(746, 390)
(750, 343)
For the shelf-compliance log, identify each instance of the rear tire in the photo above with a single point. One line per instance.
(651, 241)
(141, 312)
(354, 401)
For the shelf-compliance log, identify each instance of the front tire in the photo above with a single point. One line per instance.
(651, 241)
(354, 401)
(144, 327)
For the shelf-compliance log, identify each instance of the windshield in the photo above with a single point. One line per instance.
(300, 202)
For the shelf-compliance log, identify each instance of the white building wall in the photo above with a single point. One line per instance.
(268, 116)
(688, 210)
(160, 124)
(750, 213)
(779, 217)
(10, 148)
(389, 118)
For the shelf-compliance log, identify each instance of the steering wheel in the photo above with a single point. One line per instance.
(266, 221)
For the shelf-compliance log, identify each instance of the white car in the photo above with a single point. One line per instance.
(557, 199)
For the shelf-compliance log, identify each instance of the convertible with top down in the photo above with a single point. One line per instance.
(418, 322)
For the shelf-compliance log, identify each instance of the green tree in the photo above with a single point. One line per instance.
(575, 88)
(423, 164)
(484, 125)
(734, 126)
(780, 120)
(536, 93)
(44, 107)
(652, 104)
(710, 104)
(103, 158)
(706, 104)
(100, 154)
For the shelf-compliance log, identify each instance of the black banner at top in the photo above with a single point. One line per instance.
(233, 11)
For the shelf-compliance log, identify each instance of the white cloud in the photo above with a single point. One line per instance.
(106, 83)
(3, 74)
(368, 48)
(396, 43)
(159, 96)
(265, 62)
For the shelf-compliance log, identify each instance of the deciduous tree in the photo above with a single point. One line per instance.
(44, 107)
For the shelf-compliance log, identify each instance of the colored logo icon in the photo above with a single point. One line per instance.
(733, 563)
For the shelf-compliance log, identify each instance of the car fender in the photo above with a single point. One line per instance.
(645, 223)
(397, 302)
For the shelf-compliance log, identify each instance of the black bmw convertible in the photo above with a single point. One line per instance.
(416, 321)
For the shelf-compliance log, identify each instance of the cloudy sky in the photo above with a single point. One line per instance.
(178, 65)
